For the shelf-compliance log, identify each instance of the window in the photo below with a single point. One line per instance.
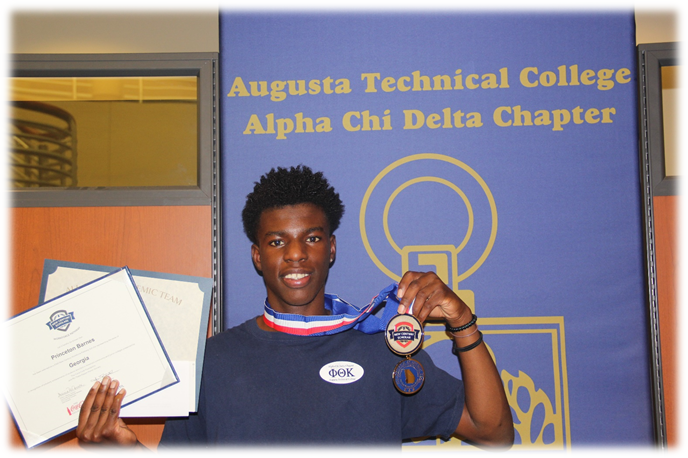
(112, 129)
(658, 66)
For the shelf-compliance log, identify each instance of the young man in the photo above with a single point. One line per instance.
(265, 381)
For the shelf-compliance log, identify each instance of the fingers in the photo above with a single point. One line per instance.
(408, 281)
(86, 409)
(417, 289)
(99, 416)
(429, 295)
(114, 428)
(109, 413)
(90, 411)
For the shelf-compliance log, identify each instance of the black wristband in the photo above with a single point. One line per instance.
(456, 350)
(461, 328)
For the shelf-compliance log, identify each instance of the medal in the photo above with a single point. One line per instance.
(404, 336)
(408, 376)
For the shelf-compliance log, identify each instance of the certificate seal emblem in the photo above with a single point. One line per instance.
(60, 320)
(408, 376)
(404, 334)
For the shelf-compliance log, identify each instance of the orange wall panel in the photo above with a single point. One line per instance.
(667, 257)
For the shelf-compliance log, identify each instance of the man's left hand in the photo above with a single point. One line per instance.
(433, 299)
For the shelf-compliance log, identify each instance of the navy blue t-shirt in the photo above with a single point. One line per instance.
(263, 387)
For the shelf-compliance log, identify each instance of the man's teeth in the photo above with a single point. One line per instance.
(296, 276)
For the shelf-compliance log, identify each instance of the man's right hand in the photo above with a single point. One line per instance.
(99, 420)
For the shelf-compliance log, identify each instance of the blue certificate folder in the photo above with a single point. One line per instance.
(205, 287)
(60, 347)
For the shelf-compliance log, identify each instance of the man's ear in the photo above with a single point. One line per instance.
(333, 249)
(255, 257)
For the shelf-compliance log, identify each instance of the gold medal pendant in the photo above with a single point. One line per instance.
(404, 336)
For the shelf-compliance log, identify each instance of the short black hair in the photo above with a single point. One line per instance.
(282, 187)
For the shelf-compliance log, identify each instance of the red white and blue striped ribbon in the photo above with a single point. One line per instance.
(344, 316)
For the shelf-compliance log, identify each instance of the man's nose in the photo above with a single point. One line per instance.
(296, 252)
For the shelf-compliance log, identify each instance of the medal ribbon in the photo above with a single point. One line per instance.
(344, 316)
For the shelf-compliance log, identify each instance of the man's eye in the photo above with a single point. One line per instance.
(314, 238)
(275, 243)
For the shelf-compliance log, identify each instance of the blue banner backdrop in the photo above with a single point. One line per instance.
(499, 150)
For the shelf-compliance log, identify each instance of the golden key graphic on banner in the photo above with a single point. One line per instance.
(530, 352)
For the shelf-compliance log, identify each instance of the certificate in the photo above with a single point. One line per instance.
(179, 306)
(62, 347)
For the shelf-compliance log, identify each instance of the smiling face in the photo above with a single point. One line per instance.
(294, 252)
